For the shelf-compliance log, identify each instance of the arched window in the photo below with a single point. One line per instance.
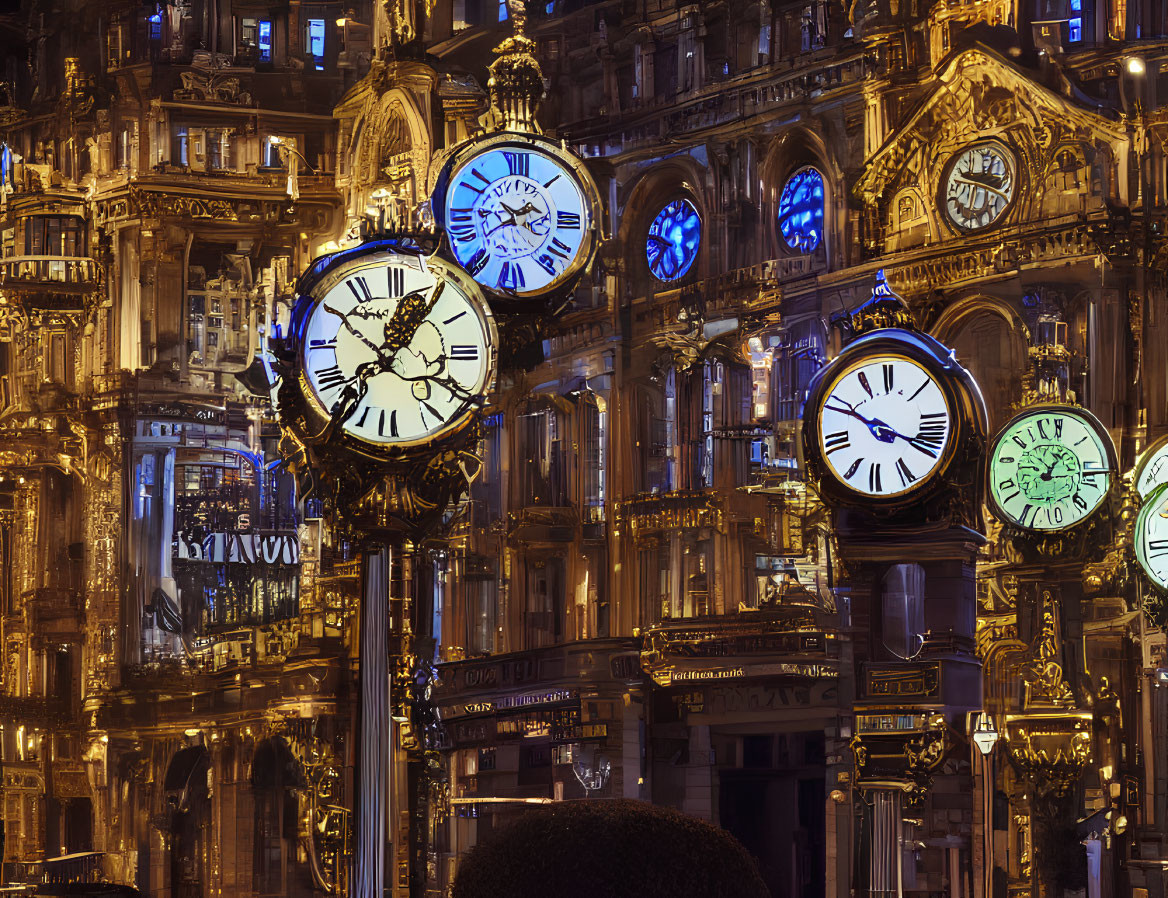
(801, 210)
(673, 241)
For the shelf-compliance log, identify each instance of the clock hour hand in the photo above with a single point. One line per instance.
(356, 332)
(879, 429)
(412, 310)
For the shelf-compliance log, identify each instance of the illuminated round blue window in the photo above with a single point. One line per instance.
(801, 210)
(673, 241)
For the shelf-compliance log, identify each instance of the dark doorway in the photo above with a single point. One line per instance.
(778, 814)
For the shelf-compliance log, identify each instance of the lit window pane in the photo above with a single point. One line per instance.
(674, 238)
(801, 210)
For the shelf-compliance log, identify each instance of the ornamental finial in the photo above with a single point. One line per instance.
(516, 83)
(885, 308)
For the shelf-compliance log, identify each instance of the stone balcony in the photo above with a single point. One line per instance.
(49, 274)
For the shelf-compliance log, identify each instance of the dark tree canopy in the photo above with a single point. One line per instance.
(609, 849)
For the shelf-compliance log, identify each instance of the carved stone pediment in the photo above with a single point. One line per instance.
(980, 96)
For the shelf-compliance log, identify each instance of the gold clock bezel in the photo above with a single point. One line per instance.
(947, 170)
(473, 293)
(1037, 411)
(592, 212)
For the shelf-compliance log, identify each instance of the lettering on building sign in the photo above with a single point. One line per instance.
(922, 682)
(721, 673)
(814, 671)
(185, 412)
(729, 699)
(535, 698)
(241, 548)
(479, 707)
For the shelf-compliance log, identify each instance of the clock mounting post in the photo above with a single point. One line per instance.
(894, 431)
(390, 355)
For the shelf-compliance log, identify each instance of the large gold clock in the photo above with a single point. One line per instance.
(394, 349)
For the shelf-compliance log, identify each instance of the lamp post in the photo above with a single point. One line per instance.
(287, 149)
(985, 737)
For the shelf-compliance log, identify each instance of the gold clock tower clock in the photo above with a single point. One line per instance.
(894, 432)
(390, 354)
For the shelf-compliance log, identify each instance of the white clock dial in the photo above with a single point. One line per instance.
(885, 426)
(1049, 469)
(518, 219)
(1152, 469)
(1152, 536)
(396, 350)
(979, 185)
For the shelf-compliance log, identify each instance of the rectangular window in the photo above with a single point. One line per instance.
(51, 235)
(248, 32)
(315, 42)
(155, 27)
(1075, 31)
(265, 37)
(179, 145)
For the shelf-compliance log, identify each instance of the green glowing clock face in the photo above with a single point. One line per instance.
(1050, 469)
(1152, 536)
(1152, 468)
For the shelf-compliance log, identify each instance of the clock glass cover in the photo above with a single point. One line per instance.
(518, 219)
(1049, 469)
(1152, 536)
(979, 185)
(673, 241)
(397, 349)
(1152, 469)
(885, 426)
(801, 210)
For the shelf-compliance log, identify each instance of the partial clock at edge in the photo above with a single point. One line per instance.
(978, 185)
(1050, 468)
(1151, 536)
(397, 350)
(1152, 467)
(522, 214)
(884, 420)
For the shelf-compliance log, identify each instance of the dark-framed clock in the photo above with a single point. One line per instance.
(1152, 468)
(979, 184)
(885, 420)
(1050, 468)
(392, 350)
(522, 214)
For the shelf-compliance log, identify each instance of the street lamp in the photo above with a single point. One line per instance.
(985, 737)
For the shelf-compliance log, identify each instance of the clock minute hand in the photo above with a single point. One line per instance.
(879, 429)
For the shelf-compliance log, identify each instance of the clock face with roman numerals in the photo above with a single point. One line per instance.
(885, 426)
(1152, 468)
(1152, 536)
(518, 219)
(1050, 468)
(398, 349)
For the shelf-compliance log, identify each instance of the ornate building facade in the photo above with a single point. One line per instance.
(652, 589)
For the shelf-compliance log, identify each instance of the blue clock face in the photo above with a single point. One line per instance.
(801, 210)
(673, 241)
(517, 220)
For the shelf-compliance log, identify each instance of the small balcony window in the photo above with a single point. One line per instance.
(315, 42)
(155, 22)
(265, 39)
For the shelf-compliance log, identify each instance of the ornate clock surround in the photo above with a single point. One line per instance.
(963, 450)
(590, 216)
